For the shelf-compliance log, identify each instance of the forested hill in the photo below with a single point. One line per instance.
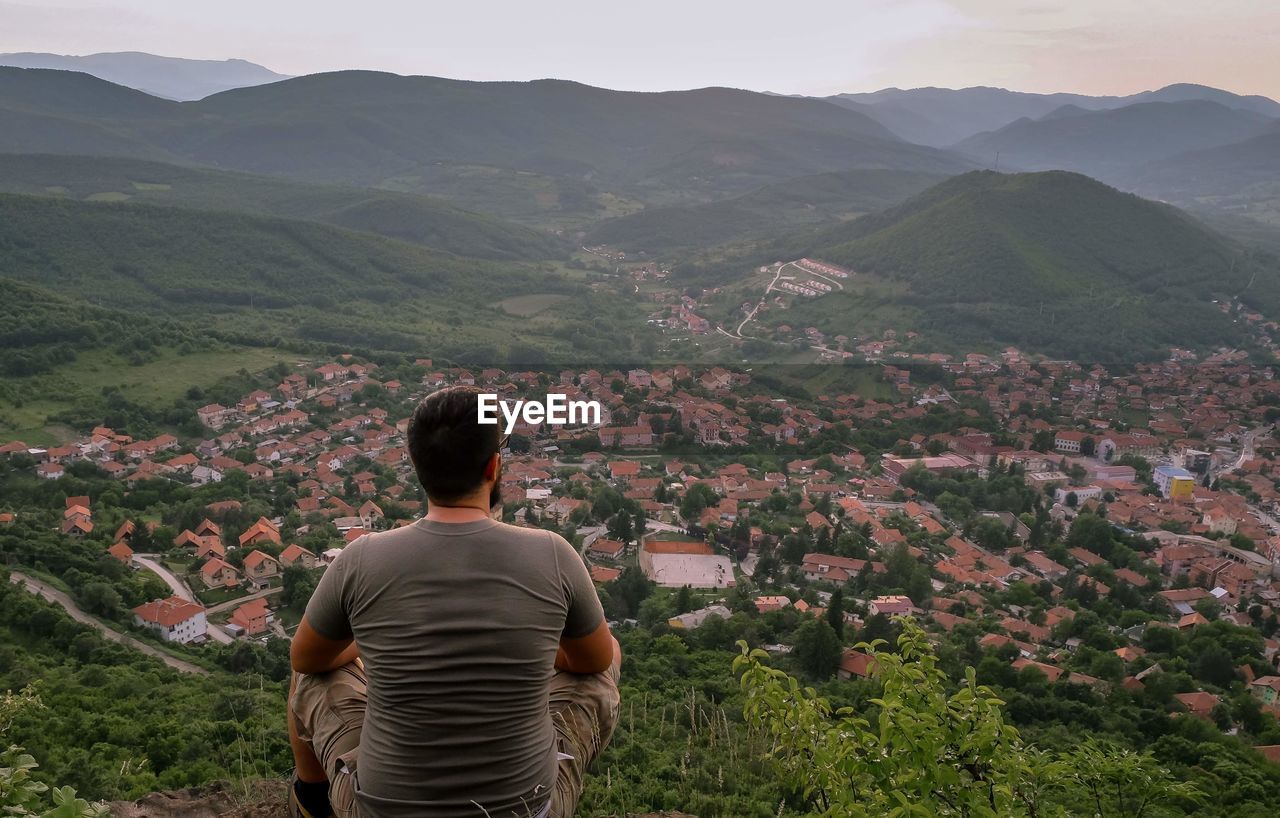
(263, 278)
(807, 200)
(367, 128)
(416, 219)
(1056, 262)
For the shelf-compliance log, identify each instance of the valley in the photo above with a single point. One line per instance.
(955, 407)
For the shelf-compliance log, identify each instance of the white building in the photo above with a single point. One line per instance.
(174, 619)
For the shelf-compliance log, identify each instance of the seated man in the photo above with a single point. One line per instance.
(456, 666)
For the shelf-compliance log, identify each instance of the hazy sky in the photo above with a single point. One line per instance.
(793, 46)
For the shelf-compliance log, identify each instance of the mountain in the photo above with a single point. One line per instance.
(807, 200)
(264, 277)
(425, 135)
(1053, 262)
(1107, 144)
(169, 77)
(1225, 170)
(943, 116)
(415, 219)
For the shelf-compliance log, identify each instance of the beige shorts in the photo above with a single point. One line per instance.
(328, 709)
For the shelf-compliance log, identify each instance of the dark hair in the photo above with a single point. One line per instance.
(448, 445)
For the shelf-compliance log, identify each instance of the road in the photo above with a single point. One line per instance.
(178, 586)
(59, 598)
(180, 589)
(1246, 451)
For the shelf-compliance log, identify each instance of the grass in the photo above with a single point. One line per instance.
(108, 196)
(525, 306)
(217, 596)
(155, 383)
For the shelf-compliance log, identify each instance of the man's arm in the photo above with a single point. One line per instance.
(592, 653)
(313, 653)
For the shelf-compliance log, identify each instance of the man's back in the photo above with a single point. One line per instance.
(457, 625)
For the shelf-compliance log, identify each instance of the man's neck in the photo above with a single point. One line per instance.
(461, 512)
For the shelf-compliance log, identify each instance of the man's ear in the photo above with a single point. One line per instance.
(492, 467)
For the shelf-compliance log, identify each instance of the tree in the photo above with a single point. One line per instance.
(21, 796)
(835, 612)
(698, 497)
(684, 600)
(817, 648)
(932, 751)
(620, 527)
(299, 584)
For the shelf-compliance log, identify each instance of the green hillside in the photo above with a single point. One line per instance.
(807, 200)
(425, 134)
(262, 277)
(1054, 262)
(410, 218)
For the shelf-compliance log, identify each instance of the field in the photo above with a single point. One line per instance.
(525, 306)
(153, 384)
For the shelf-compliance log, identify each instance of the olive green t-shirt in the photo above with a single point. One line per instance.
(458, 626)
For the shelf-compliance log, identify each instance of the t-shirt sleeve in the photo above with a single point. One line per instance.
(327, 611)
(584, 610)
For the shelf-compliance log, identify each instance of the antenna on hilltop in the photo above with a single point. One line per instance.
(997, 167)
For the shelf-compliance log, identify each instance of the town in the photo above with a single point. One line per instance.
(1066, 515)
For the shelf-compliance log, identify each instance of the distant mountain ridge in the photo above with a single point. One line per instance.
(1107, 144)
(944, 116)
(429, 135)
(175, 78)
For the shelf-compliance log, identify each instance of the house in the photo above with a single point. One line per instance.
(261, 531)
(830, 568)
(1266, 689)
(601, 574)
(217, 573)
(1044, 566)
(895, 605)
(295, 554)
(1199, 703)
(121, 551)
(173, 619)
(606, 549)
(765, 604)
(252, 617)
(259, 568)
(855, 663)
(77, 526)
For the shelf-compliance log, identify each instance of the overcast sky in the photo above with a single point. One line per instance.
(791, 46)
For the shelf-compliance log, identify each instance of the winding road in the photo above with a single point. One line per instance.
(64, 601)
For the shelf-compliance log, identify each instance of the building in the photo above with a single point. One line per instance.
(1068, 441)
(896, 605)
(1174, 483)
(173, 619)
(895, 467)
(607, 549)
(260, 568)
(252, 617)
(295, 554)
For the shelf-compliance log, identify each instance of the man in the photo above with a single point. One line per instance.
(454, 667)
